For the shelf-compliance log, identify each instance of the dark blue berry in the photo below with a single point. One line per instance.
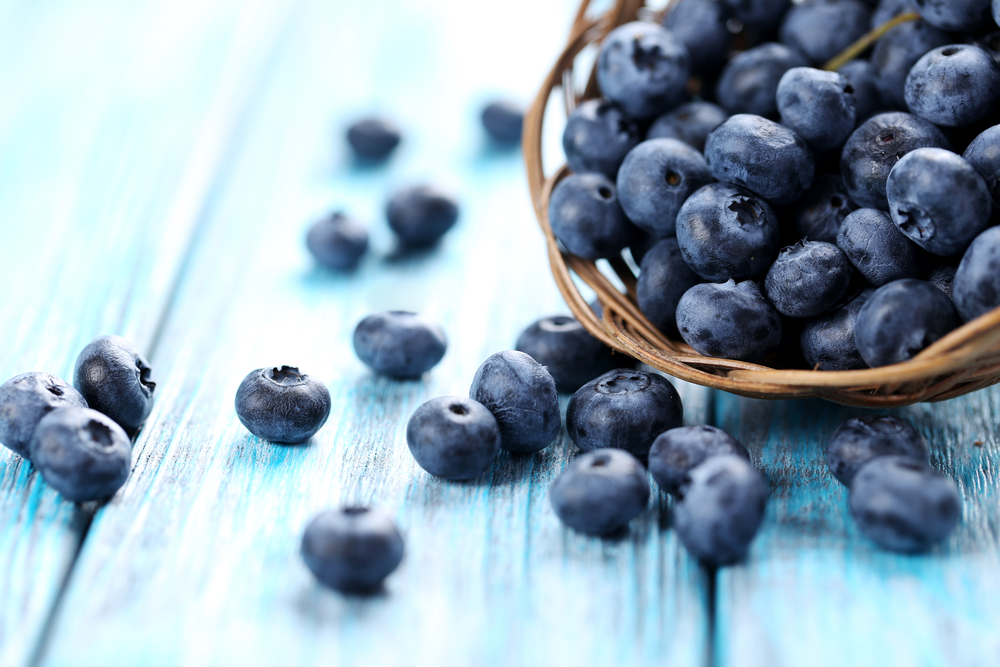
(522, 396)
(597, 137)
(352, 549)
(861, 439)
(655, 179)
(875, 148)
(867, 98)
(571, 355)
(901, 319)
(586, 217)
(954, 85)
(115, 379)
(701, 26)
(399, 343)
(453, 437)
(623, 409)
(502, 120)
(819, 212)
(977, 282)
(644, 68)
(373, 139)
(984, 154)
(337, 241)
(904, 505)
(663, 280)
(24, 400)
(729, 320)
(81, 453)
(896, 53)
(807, 279)
(827, 342)
(727, 232)
(761, 156)
(877, 249)
(690, 123)
(420, 215)
(675, 452)
(282, 405)
(763, 14)
(821, 29)
(600, 492)
(721, 505)
(955, 15)
(819, 106)
(938, 200)
(749, 81)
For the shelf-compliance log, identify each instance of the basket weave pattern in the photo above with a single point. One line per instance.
(965, 360)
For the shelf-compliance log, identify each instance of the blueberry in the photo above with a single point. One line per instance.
(399, 343)
(749, 81)
(729, 320)
(827, 342)
(701, 26)
(761, 156)
(819, 106)
(721, 505)
(807, 279)
(522, 396)
(420, 215)
(597, 137)
(24, 400)
(115, 379)
(938, 200)
(877, 249)
(977, 282)
(984, 154)
(953, 86)
(352, 549)
(600, 492)
(453, 437)
(896, 53)
(955, 15)
(656, 177)
(901, 319)
(727, 232)
(644, 68)
(83, 454)
(821, 209)
(690, 123)
(373, 139)
(763, 14)
(502, 120)
(571, 355)
(586, 217)
(943, 277)
(337, 241)
(821, 29)
(874, 148)
(282, 405)
(623, 409)
(904, 505)
(867, 98)
(663, 280)
(677, 451)
(861, 439)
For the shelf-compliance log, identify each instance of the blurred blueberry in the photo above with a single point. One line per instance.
(954, 85)
(764, 14)
(984, 154)
(373, 139)
(503, 120)
(749, 81)
(597, 137)
(453, 437)
(421, 214)
(400, 344)
(886, 10)
(690, 123)
(675, 452)
(896, 53)
(586, 217)
(827, 341)
(861, 439)
(352, 549)
(600, 492)
(644, 68)
(977, 282)
(571, 355)
(807, 279)
(955, 15)
(819, 212)
(821, 29)
(337, 241)
(115, 379)
(701, 26)
(282, 404)
(663, 280)
(24, 400)
(819, 106)
(877, 249)
(729, 320)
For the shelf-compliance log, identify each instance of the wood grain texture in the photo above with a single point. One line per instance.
(815, 591)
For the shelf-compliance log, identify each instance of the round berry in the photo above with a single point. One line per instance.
(677, 451)
(352, 549)
(807, 279)
(421, 215)
(399, 344)
(586, 217)
(24, 400)
(373, 139)
(729, 320)
(977, 281)
(818, 105)
(600, 492)
(115, 379)
(597, 137)
(453, 437)
(644, 68)
(337, 241)
(954, 85)
(877, 249)
(282, 405)
(749, 82)
(502, 121)
(895, 54)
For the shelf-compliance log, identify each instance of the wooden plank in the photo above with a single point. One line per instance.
(196, 561)
(109, 144)
(815, 592)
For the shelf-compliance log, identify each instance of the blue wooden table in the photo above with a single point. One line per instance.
(159, 165)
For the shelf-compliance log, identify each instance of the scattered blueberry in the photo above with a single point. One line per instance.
(571, 355)
(586, 217)
(399, 343)
(877, 249)
(861, 439)
(807, 279)
(597, 137)
(352, 549)
(822, 29)
(749, 81)
(600, 492)
(502, 120)
(282, 405)
(984, 154)
(453, 437)
(819, 106)
(977, 282)
(827, 342)
(373, 139)
(954, 85)
(701, 26)
(729, 320)
(690, 123)
(83, 454)
(24, 400)
(623, 409)
(115, 379)
(819, 212)
(675, 452)
(420, 215)
(337, 241)
(663, 279)
(896, 53)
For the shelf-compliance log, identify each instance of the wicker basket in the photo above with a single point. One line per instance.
(965, 360)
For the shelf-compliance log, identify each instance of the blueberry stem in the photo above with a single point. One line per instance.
(869, 38)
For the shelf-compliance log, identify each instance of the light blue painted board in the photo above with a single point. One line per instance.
(116, 117)
(815, 591)
(196, 560)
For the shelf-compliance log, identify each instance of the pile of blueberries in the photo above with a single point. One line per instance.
(786, 214)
